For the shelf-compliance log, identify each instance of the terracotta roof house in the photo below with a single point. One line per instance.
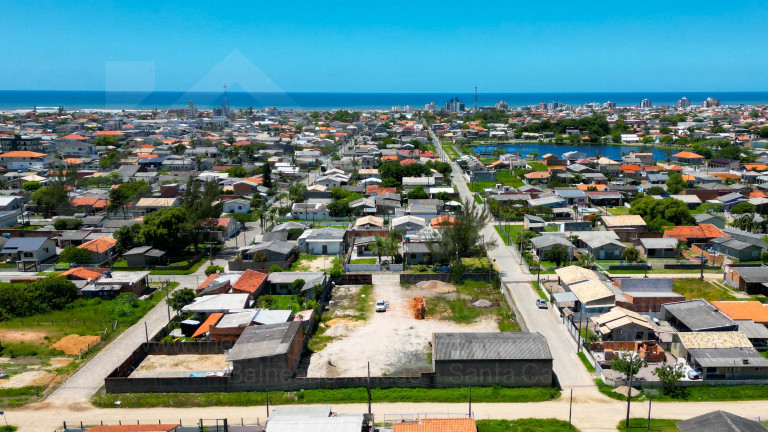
(743, 310)
(688, 157)
(694, 234)
(101, 249)
(443, 221)
(250, 282)
(437, 425)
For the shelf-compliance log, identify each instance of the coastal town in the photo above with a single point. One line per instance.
(448, 268)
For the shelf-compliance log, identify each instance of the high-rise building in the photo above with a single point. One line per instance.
(191, 110)
(223, 111)
(683, 102)
(501, 105)
(455, 105)
(431, 107)
(711, 103)
(553, 106)
(609, 105)
(646, 103)
(542, 106)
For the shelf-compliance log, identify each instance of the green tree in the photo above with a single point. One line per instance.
(418, 193)
(297, 193)
(181, 298)
(743, 207)
(127, 237)
(111, 160)
(297, 285)
(124, 305)
(630, 254)
(463, 238)
(201, 212)
(75, 255)
(670, 376)
(68, 224)
(31, 186)
(628, 364)
(378, 247)
(237, 171)
(675, 183)
(126, 193)
(51, 199)
(165, 229)
(266, 175)
(52, 292)
(275, 269)
(655, 190)
(558, 254)
(106, 141)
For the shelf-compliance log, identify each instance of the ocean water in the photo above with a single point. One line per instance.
(614, 152)
(26, 100)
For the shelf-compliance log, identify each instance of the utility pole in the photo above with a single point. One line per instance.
(650, 402)
(570, 409)
(267, 403)
(369, 387)
(470, 402)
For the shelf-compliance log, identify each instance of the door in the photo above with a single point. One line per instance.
(325, 249)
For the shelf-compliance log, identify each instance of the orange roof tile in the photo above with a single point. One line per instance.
(586, 187)
(389, 158)
(98, 245)
(211, 321)
(537, 175)
(703, 231)
(443, 221)
(108, 133)
(437, 425)
(85, 273)
(743, 310)
(207, 281)
(688, 177)
(135, 428)
(22, 154)
(74, 137)
(687, 155)
(250, 281)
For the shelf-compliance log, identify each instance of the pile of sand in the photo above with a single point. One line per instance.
(321, 365)
(482, 304)
(349, 322)
(75, 344)
(338, 330)
(623, 390)
(436, 286)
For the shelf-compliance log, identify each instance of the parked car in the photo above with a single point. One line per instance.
(382, 305)
(694, 374)
(541, 303)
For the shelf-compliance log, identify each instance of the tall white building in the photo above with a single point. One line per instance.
(711, 103)
(646, 103)
(191, 110)
(683, 103)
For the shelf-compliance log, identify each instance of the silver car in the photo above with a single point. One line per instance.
(382, 305)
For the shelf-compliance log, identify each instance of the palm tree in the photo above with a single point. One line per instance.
(630, 254)
(260, 214)
(393, 247)
(378, 247)
(679, 248)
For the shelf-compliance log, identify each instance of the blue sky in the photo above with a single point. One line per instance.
(398, 46)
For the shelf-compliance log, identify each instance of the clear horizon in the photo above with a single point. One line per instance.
(501, 47)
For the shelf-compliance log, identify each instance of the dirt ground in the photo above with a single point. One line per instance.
(38, 378)
(21, 335)
(74, 344)
(184, 362)
(321, 263)
(393, 342)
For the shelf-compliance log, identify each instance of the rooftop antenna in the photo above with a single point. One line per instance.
(475, 98)
(225, 95)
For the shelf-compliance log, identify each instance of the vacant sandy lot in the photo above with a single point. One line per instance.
(393, 342)
(323, 263)
(184, 362)
(21, 335)
(38, 378)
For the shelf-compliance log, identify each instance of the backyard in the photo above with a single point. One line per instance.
(694, 288)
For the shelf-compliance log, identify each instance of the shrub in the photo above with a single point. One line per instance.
(68, 224)
(211, 269)
(73, 254)
(275, 269)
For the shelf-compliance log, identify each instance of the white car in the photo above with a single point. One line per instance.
(541, 304)
(382, 305)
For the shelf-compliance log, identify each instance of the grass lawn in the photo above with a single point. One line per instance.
(514, 231)
(551, 228)
(302, 264)
(587, 364)
(537, 166)
(508, 177)
(641, 424)
(478, 199)
(450, 151)
(695, 288)
(462, 311)
(618, 210)
(191, 270)
(539, 290)
(281, 302)
(324, 396)
(523, 425)
(363, 261)
(7, 265)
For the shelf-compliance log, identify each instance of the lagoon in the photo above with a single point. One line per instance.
(614, 152)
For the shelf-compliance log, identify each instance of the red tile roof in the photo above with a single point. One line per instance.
(211, 321)
(22, 154)
(703, 231)
(437, 425)
(443, 221)
(84, 273)
(250, 281)
(101, 244)
(687, 155)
